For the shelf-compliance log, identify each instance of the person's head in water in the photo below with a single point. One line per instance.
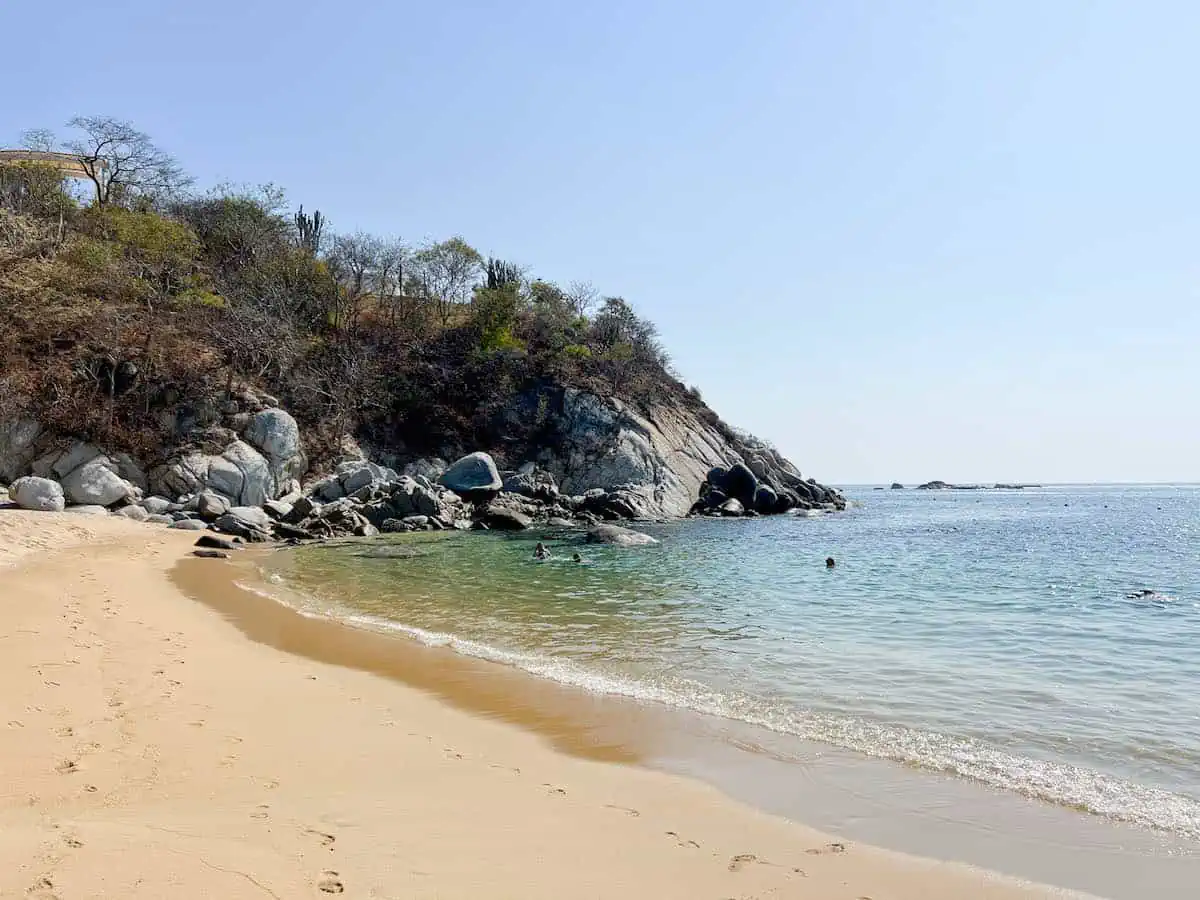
(830, 562)
(577, 558)
(540, 550)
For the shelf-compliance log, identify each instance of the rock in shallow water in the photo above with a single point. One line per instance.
(621, 537)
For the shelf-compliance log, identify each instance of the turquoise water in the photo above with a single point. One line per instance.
(987, 635)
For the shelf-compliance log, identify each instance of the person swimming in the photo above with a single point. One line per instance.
(577, 558)
(541, 551)
(830, 562)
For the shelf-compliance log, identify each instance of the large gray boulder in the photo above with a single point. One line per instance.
(96, 484)
(621, 537)
(474, 474)
(275, 434)
(18, 447)
(42, 494)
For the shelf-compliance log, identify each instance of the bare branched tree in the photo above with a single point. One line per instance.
(582, 297)
(123, 163)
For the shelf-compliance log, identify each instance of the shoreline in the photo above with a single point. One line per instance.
(154, 748)
(881, 802)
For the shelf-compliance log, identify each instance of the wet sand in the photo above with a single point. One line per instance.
(152, 746)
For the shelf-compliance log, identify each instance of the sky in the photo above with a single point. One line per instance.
(900, 240)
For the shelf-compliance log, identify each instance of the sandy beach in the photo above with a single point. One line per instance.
(152, 747)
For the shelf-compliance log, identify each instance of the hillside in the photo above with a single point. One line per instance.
(150, 322)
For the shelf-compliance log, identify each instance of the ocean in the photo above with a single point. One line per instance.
(1042, 642)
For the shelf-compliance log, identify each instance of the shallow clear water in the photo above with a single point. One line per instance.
(983, 634)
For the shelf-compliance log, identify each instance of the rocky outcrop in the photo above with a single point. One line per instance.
(897, 486)
(656, 461)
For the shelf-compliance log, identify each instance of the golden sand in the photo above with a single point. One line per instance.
(155, 746)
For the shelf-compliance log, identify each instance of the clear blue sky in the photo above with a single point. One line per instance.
(929, 239)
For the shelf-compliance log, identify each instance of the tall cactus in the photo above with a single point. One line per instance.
(309, 229)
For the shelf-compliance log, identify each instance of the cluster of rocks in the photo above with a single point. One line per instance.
(242, 459)
(231, 494)
(737, 491)
(363, 498)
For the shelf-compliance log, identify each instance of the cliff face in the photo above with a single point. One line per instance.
(661, 456)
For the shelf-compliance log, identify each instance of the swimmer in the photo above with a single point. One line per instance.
(577, 558)
(540, 551)
(830, 562)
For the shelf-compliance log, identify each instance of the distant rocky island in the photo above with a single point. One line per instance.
(946, 486)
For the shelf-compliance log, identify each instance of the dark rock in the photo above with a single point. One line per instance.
(897, 486)
(217, 543)
(741, 484)
(211, 554)
(716, 477)
(766, 500)
(621, 537)
(287, 531)
(934, 486)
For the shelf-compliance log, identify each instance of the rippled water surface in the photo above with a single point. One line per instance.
(984, 634)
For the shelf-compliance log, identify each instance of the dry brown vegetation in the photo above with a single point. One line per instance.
(123, 319)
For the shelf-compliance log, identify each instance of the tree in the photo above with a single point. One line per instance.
(387, 282)
(622, 333)
(447, 273)
(582, 297)
(122, 163)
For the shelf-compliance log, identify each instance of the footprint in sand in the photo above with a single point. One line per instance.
(681, 842)
(828, 848)
(632, 813)
(326, 839)
(66, 767)
(555, 791)
(330, 883)
(739, 862)
(42, 889)
(71, 841)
